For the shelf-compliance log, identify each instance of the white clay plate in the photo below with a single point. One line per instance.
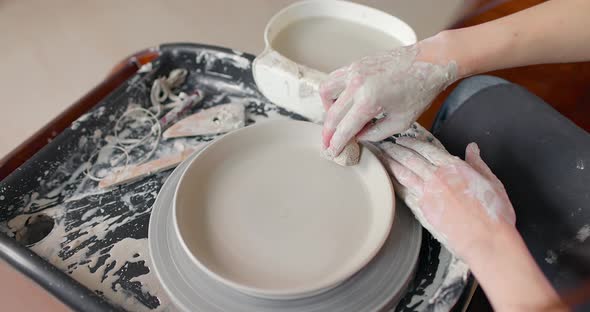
(376, 287)
(260, 211)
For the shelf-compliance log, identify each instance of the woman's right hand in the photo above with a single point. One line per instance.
(394, 86)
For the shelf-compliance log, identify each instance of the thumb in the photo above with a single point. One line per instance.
(473, 158)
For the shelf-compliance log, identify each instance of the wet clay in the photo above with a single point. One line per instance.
(349, 156)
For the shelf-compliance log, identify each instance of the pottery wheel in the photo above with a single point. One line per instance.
(377, 286)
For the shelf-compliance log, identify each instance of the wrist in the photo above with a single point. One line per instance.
(478, 49)
(492, 244)
(442, 49)
(506, 271)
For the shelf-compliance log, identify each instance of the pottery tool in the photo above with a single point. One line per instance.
(134, 119)
(134, 172)
(218, 119)
(97, 160)
(214, 120)
(128, 123)
(181, 107)
(163, 86)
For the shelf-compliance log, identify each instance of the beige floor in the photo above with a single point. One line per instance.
(52, 52)
(19, 293)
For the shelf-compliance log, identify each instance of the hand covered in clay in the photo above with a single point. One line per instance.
(459, 202)
(393, 87)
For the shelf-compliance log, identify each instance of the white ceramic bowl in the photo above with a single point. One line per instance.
(260, 211)
(295, 86)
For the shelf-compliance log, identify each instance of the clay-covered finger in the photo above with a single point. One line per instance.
(406, 177)
(411, 160)
(351, 124)
(415, 130)
(381, 129)
(335, 114)
(434, 154)
(332, 87)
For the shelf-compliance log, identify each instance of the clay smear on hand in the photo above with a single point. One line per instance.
(380, 95)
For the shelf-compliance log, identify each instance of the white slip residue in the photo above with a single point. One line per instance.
(94, 113)
(222, 75)
(70, 248)
(227, 86)
(68, 184)
(95, 228)
(128, 248)
(551, 257)
(580, 164)
(456, 272)
(210, 58)
(436, 293)
(30, 200)
(89, 213)
(5, 229)
(145, 68)
(97, 134)
(495, 205)
(583, 233)
(76, 124)
(566, 246)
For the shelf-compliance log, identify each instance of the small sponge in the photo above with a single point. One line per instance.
(349, 156)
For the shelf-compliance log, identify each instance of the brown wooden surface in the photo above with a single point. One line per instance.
(564, 86)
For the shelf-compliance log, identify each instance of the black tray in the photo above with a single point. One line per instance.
(95, 256)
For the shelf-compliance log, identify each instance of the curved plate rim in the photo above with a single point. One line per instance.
(184, 302)
(374, 247)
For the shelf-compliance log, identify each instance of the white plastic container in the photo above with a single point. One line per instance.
(295, 86)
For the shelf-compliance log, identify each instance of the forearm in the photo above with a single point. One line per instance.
(556, 31)
(509, 275)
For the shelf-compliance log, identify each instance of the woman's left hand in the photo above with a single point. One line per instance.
(459, 202)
